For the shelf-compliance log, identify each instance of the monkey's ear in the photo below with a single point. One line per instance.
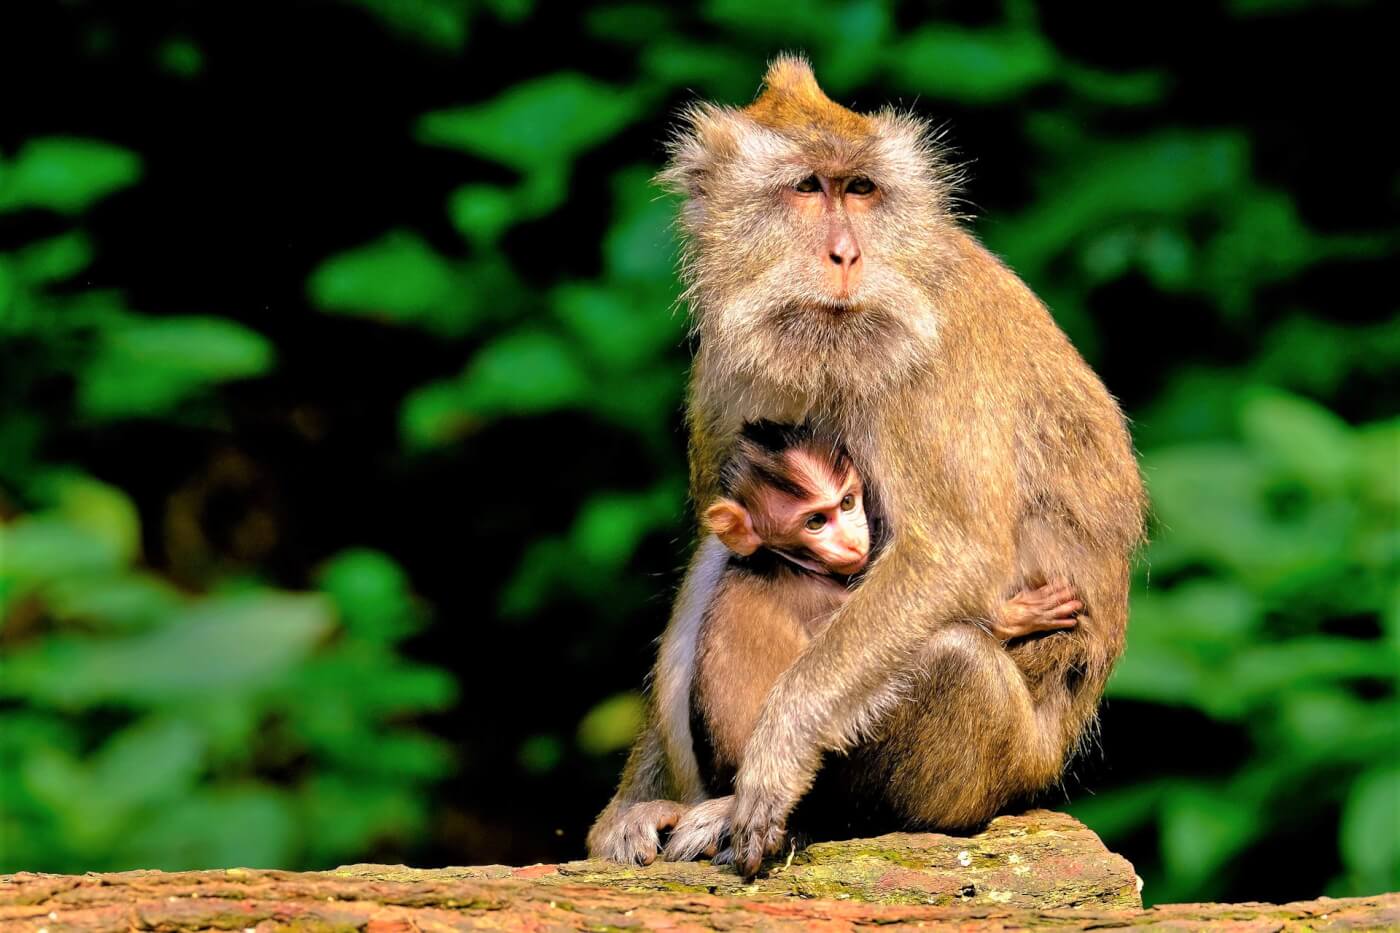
(730, 523)
(707, 136)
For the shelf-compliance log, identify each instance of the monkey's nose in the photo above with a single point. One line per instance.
(843, 252)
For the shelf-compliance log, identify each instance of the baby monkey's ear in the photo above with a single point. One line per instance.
(730, 523)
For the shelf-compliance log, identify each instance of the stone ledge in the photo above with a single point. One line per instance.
(1036, 860)
(1038, 869)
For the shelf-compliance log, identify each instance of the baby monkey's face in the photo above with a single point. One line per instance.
(827, 527)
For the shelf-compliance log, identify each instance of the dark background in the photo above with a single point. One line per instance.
(341, 453)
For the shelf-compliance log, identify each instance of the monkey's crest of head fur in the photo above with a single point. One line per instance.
(793, 101)
(753, 267)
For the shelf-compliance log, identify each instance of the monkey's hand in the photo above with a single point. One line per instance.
(633, 834)
(1048, 609)
(757, 830)
(702, 831)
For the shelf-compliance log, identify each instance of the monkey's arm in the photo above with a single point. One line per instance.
(853, 673)
(661, 777)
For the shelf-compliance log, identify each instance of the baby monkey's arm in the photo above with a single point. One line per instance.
(1050, 608)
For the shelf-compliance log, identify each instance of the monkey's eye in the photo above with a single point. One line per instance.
(860, 186)
(808, 185)
(848, 502)
(816, 522)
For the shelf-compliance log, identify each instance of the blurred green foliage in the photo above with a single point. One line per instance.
(149, 721)
(147, 725)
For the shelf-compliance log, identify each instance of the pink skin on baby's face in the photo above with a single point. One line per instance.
(828, 527)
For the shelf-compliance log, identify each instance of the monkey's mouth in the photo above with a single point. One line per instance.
(830, 306)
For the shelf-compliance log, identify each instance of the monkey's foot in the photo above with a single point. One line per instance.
(633, 837)
(700, 832)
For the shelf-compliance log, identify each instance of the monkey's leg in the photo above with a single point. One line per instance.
(968, 741)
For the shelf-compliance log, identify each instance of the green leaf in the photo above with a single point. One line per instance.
(103, 510)
(535, 124)
(345, 818)
(1204, 827)
(152, 762)
(372, 594)
(398, 279)
(620, 328)
(639, 245)
(610, 526)
(439, 23)
(1264, 672)
(483, 212)
(1370, 830)
(972, 65)
(222, 643)
(1164, 177)
(65, 174)
(523, 373)
(611, 725)
(117, 601)
(247, 826)
(149, 365)
(54, 259)
(1310, 441)
(38, 549)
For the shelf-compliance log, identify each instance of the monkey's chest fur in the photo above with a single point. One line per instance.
(763, 615)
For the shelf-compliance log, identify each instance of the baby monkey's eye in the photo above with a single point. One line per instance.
(808, 185)
(860, 186)
(816, 522)
(848, 502)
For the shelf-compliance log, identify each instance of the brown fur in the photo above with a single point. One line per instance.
(756, 626)
(999, 459)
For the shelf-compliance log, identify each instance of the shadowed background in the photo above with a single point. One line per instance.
(341, 454)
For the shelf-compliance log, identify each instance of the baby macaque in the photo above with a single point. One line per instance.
(793, 517)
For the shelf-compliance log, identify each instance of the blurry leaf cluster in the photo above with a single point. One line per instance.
(151, 722)
(145, 724)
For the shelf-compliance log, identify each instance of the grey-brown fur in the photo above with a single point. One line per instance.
(1000, 460)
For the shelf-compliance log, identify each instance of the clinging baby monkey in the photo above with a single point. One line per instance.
(793, 516)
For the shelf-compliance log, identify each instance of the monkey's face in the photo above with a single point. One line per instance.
(811, 247)
(827, 527)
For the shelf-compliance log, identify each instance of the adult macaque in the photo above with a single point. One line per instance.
(830, 282)
(793, 518)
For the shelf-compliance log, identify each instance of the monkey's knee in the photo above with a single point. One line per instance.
(967, 742)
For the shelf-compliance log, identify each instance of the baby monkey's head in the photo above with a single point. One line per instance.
(794, 491)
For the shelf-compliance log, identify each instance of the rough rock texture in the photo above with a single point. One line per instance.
(1038, 859)
(1037, 869)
